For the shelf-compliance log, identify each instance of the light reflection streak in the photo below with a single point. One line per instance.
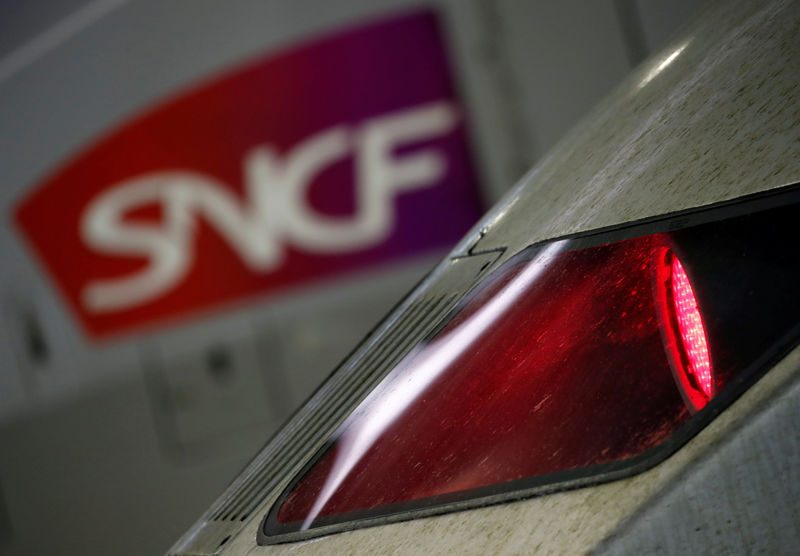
(661, 66)
(412, 376)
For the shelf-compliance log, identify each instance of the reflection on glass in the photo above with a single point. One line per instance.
(573, 356)
(540, 372)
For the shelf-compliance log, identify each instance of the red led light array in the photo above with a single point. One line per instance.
(691, 328)
(683, 332)
(557, 363)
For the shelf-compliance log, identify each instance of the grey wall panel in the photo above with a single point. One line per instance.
(564, 57)
(22, 20)
(90, 478)
(660, 18)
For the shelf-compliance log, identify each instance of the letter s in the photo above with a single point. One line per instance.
(167, 246)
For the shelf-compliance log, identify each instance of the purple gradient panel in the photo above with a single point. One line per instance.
(280, 102)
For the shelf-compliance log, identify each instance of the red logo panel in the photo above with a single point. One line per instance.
(323, 159)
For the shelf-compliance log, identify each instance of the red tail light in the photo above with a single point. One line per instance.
(576, 360)
(684, 333)
(555, 365)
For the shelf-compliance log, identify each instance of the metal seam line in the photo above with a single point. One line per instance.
(68, 27)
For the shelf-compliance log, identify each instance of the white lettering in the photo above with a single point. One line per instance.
(274, 211)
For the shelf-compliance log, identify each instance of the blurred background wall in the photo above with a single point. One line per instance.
(129, 127)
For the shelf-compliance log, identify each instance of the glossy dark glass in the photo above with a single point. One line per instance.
(573, 358)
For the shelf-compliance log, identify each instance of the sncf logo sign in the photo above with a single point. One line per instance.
(330, 157)
(274, 212)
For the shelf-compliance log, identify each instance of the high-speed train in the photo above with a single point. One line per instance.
(207, 207)
(607, 362)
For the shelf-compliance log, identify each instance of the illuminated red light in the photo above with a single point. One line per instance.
(684, 333)
(691, 327)
(557, 364)
(570, 364)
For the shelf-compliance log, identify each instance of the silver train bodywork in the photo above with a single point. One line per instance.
(714, 116)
